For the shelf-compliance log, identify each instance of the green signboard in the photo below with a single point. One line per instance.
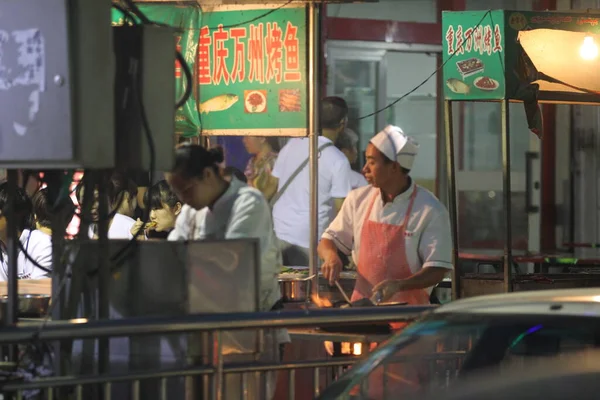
(249, 67)
(473, 46)
(252, 75)
(483, 59)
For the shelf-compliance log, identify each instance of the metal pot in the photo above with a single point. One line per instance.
(30, 305)
(293, 290)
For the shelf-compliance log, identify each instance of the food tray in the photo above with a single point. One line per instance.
(300, 273)
(470, 67)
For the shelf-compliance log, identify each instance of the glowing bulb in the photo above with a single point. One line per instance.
(588, 50)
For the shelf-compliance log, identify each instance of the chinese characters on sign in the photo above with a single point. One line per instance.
(481, 39)
(262, 53)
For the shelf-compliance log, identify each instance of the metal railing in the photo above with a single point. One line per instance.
(215, 369)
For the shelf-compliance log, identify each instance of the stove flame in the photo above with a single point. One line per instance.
(321, 302)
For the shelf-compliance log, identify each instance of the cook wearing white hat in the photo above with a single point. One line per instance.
(397, 232)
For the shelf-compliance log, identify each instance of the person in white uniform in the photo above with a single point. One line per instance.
(36, 261)
(347, 142)
(22, 213)
(217, 209)
(291, 203)
(398, 232)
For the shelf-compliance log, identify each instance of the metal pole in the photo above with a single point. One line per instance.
(12, 252)
(103, 268)
(506, 187)
(313, 127)
(452, 197)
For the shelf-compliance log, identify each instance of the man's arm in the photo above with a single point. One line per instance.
(425, 278)
(339, 235)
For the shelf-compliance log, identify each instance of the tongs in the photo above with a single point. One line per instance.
(341, 289)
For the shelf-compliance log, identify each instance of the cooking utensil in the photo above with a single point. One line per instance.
(381, 328)
(341, 289)
(295, 289)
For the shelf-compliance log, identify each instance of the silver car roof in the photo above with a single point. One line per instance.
(582, 302)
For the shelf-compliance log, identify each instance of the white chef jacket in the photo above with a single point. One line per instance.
(291, 213)
(357, 180)
(241, 212)
(428, 235)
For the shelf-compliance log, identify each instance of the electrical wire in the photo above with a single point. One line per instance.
(488, 12)
(137, 80)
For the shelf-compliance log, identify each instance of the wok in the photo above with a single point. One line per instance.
(381, 328)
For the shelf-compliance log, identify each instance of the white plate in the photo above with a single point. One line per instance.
(261, 107)
(497, 85)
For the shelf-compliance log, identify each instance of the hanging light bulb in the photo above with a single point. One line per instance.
(589, 49)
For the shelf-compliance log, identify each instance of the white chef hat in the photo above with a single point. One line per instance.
(396, 146)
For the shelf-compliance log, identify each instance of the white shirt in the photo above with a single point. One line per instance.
(291, 213)
(428, 240)
(357, 180)
(39, 247)
(241, 212)
(3, 265)
(120, 228)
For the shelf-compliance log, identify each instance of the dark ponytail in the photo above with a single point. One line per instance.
(192, 159)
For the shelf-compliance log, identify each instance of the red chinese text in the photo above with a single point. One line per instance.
(469, 40)
(239, 58)
(292, 52)
(220, 56)
(450, 39)
(256, 54)
(204, 41)
(273, 47)
(487, 40)
(459, 40)
(497, 40)
(478, 39)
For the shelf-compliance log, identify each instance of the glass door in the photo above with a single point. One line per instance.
(356, 75)
(477, 133)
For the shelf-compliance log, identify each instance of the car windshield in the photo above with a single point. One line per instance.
(432, 354)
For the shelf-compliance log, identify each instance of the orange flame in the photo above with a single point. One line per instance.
(321, 302)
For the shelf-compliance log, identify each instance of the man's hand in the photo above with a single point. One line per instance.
(331, 268)
(385, 290)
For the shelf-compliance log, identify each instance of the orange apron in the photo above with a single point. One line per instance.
(382, 256)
